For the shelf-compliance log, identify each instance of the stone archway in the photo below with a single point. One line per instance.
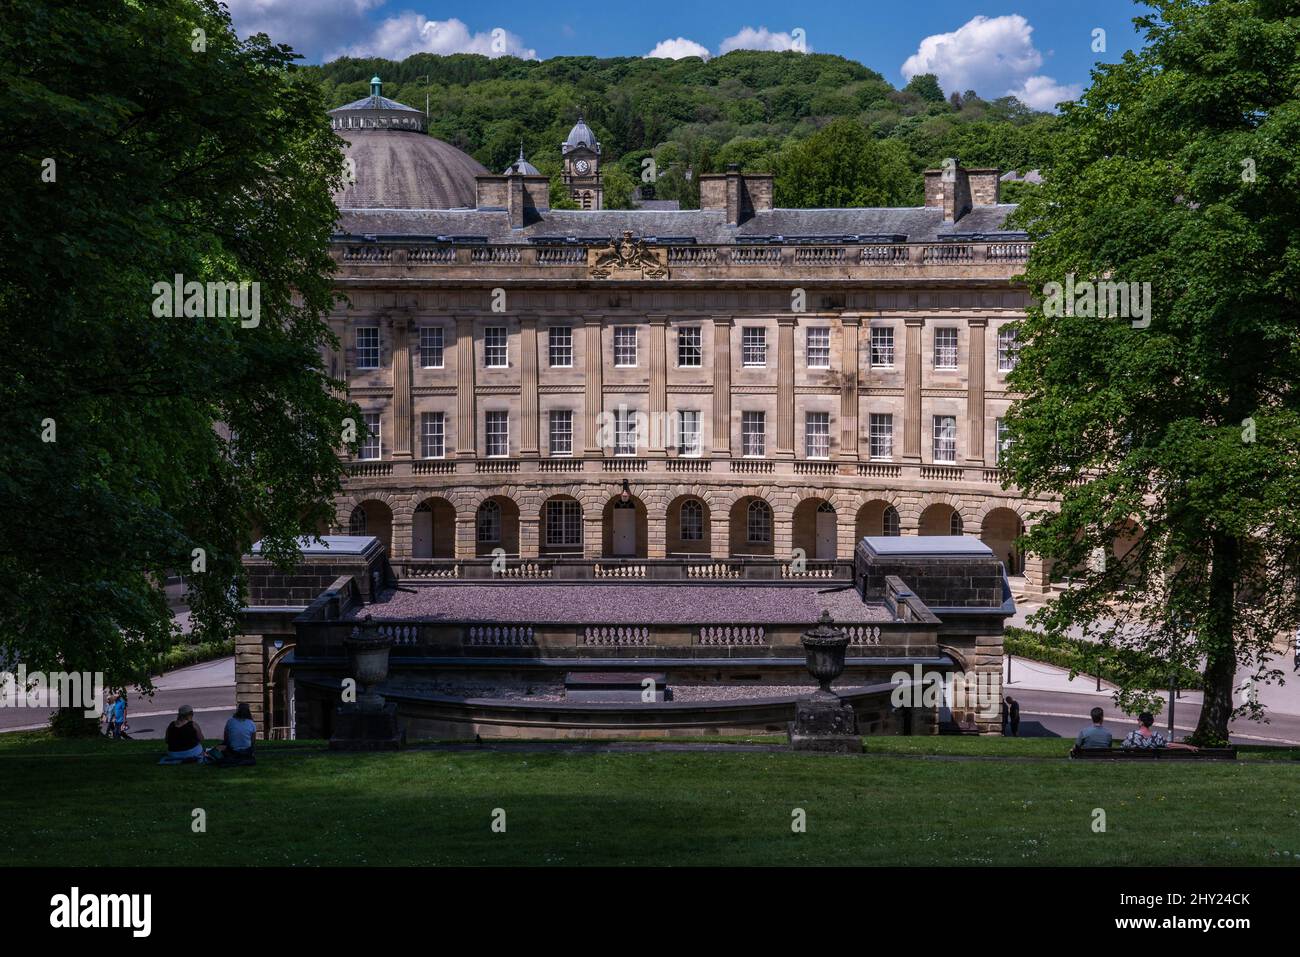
(373, 517)
(496, 525)
(561, 526)
(940, 519)
(877, 517)
(751, 525)
(624, 531)
(815, 528)
(688, 531)
(999, 530)
(433, 529)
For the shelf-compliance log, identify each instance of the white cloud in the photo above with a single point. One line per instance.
(994, 56)
(306, 25)
(678, 48)
(763, 39)
(398, 37)
(1043, 93)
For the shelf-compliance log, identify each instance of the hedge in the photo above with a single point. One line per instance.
(1118, 665)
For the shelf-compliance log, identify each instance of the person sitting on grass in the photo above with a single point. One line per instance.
(237, 742)
(1094, 736)
(1144, 737)
(184, 738)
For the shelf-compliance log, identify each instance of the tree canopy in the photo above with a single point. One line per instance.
(1177, 169)
(749, 107)
(145, 142)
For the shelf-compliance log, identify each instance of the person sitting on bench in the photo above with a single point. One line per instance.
(237, 742)
(184, 738)
(1094, 736)
(1145, 737)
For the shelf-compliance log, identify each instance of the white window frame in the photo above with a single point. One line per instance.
(558, 417)
(368, 353)
(1001, 439)
(753, 434)
(559, 347)
(433, 426)
(944, 439)
(822, 348)
(947, 349)
(491, 418)
(431, 347)
(625, 432)
(758, 517)
(817, 435)
(688, 350)
(563, 517)
(753, 347)
(880, 426)
(373, 447)
(690, 437)
(625, 351)
(1008, 349)
(496, 345)
(690, 521)
(487, 522)
(890, 522)
(881, 353)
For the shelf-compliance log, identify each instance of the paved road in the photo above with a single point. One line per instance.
(208, 688)
(1063, 714)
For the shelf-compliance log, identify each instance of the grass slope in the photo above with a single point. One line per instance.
(912, 801)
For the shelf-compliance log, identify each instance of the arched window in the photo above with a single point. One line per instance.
(357, 521)
(692, 521)
(826, 508)
(758, 524)
(893, 526)
(489, 522)
(955, 526)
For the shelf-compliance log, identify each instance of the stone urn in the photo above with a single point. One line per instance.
(824, 647)
(368, 653)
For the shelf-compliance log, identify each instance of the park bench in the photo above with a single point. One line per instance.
(1153, 754)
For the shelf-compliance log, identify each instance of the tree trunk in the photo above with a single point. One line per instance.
(1220, 645)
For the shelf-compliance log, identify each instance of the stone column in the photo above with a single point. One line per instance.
(719, 533)
(782, 534)
(785, 388)
(1036, 574)
(658, 387)
(722, 326)
(852, 325)
(250, 678)
(975, 391)
(846, 534)
(466, 412)
(593, 539)
(986, 705)
(466, 542)
(594, 398)
(912, 392)
(528, 428)
(530, 530)
(401, 388)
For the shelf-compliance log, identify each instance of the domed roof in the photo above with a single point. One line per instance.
(394, 164)
(580, 135)
(521, 166)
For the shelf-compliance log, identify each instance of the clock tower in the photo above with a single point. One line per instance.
(582, 177)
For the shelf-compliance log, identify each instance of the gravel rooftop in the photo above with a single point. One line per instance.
(623, 604)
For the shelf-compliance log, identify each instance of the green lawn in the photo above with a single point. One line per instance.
(911, 801)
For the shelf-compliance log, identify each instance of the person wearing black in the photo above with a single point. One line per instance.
(1013, 716)
(1006, 717)
(184, 737)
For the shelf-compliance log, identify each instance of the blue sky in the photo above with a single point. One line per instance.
(1041, 51)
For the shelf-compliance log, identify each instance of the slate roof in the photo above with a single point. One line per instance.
(916, 224)
(623, 604)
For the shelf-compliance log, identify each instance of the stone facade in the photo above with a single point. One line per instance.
(504, 349)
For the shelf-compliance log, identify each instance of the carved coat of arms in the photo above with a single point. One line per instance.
(627, 258)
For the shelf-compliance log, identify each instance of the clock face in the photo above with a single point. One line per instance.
(582, 166)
